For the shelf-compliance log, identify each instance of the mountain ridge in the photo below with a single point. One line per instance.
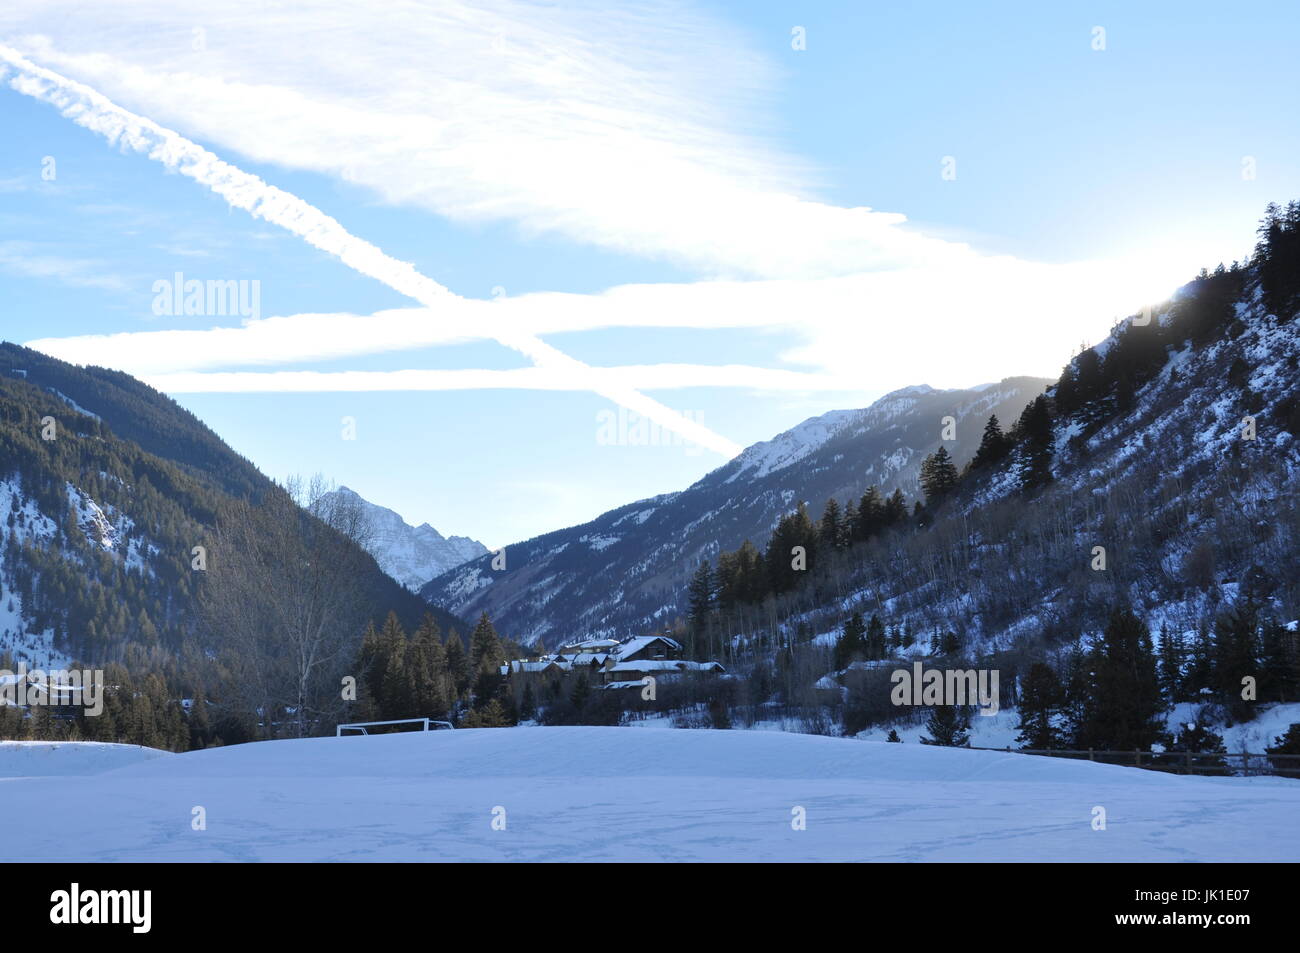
(600, 579)
(410, 554)
(104, 514)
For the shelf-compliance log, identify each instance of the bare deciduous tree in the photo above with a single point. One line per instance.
(284, 599)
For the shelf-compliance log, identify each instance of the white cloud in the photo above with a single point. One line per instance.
(90, 109)
(625, 125)
(628, 128)
(27, 259)
(639, 376)
(962, 327)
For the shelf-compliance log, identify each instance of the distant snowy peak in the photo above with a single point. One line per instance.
(410, 554)
(788, 448)
(627, 570)
(797, 443)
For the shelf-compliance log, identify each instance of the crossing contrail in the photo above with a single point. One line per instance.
(94, 111)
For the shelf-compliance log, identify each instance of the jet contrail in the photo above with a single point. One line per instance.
(520, 378)
(96, 112)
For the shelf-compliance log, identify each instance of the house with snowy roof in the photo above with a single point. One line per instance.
(652, 655)
(628, 674)
(590, 647)
(649, 648)
(614, 663)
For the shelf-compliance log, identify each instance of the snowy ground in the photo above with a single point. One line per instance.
(43, 759)
(607, 794)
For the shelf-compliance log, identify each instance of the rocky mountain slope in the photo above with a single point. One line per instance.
(106, 488)
(410, 554)
(1164, 476)
(626, 569)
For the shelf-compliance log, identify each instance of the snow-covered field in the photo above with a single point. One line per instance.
(606, 794)
(43, 759)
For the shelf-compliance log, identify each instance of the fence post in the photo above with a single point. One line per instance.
(1245, 763)
(1137, 757)
(1090, 757)
(1189, 763)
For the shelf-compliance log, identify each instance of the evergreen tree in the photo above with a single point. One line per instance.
(1286, 744)
(875, 638)
(871, 515)
(1171, 665)
(1076, 683)
(487, 655)
(1279, 663)
(581, 692)
(893, 639)
(1036, 440)
(1277, 258)
(993, 445)
(1199, 676)
(740, 577)
(427, 678)
(435, 688)
(1235, 656)
(1123, 705)
(893, 737)
(1041, 698)
(849, 525)
(794, 530)
(491, 715)
(1197, 738)
(457, 665)
(701, 595)
(938, 476)
(851, 646)
(947, 728)
(394, 694)
(831, 530)
(895, 509)
(1089, 382)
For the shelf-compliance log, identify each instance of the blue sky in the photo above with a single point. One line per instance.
(657, 189)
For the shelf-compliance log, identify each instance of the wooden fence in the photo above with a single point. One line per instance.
(1228, 763)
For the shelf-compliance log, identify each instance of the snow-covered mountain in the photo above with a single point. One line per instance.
(410, 554)
(1173, 451)
(627, 569)
(106, 489)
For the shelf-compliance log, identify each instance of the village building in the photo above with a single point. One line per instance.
(609, 664)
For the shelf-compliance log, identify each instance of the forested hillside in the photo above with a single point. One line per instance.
(1122, 550)
(629, 568)
(1139, 517)
(114, 503)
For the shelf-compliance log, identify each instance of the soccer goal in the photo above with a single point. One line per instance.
(381, 727)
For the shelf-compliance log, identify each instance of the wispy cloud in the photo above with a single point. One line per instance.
(991, 319)
(94, 111)
(641, 377)
(625, 125)
(632, 126)
(27, 259)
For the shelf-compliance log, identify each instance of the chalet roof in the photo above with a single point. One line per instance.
(666, 665)
(642, 642)
(518, 665)
(590, 645)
